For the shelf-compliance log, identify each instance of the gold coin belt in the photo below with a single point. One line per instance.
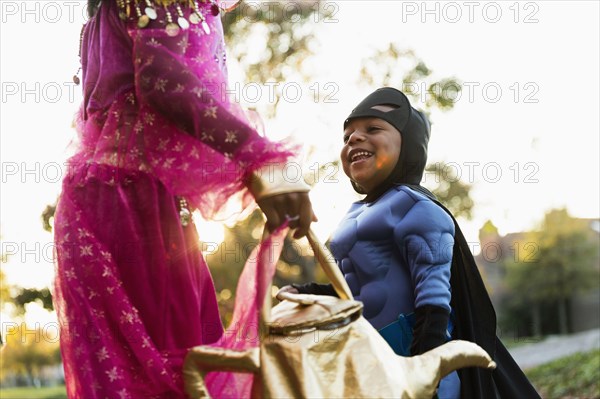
(146, 10)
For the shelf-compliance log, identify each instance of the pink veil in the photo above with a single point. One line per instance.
(244, 330)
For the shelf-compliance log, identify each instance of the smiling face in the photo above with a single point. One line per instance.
(371, 151)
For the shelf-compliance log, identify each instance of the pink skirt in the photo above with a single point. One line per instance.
(132, 290)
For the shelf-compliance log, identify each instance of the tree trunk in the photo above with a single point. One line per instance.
(536, 320)
(562, 316)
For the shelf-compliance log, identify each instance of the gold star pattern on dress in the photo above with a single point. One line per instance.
(83, 233)
(153, 43)
(149, 119)
(178, 147)
(85, 250)
(136, 152)
(127, 317)
(102, 354)
(162, 144)
(107, 272)
(149, 61)
(139, 127)
(160, 84)
(70, 274)
(179, 88)
(211, 112)
(130, 97)
(231, 136)
(145, 81)
(207, 137)
(78, 351)
(183, 44)
(199, 58)
(113, 374)
(169, 162)
(198, 91)
(209, 75)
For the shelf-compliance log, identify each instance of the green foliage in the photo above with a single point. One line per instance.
(28, 350)
(48, 216)
(4, 289)
(401, 68)
(573, 376)
(451, 192)
(58, 392)
(287, 33)
(561, 262)
(27, 295)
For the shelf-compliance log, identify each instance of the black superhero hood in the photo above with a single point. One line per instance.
(414, 129)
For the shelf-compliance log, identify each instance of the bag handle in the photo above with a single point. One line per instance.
(332, 271)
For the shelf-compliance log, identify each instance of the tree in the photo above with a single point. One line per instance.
(28, 351)
(287, 31)
(563, 263)
(4, 291)
(28, 295)
(450, 191)
(401, 68)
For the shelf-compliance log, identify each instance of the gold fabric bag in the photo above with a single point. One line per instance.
(321, 347)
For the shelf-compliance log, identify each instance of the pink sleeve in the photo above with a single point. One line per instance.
(182, 78)
(196, 141)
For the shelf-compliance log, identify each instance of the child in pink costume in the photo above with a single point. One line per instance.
(156, 133)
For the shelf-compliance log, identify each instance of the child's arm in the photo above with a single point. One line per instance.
(426, 238)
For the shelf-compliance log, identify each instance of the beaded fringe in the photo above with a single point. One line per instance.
(146, 10)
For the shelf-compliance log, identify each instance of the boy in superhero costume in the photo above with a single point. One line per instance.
(405, 257)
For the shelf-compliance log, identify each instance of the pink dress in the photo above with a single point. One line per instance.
(132, 290)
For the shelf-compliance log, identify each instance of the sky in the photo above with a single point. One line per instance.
(525, 133)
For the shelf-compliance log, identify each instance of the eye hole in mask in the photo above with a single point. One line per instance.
(385, 107)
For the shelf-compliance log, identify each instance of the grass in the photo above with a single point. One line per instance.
(57, 392)
(575, 376)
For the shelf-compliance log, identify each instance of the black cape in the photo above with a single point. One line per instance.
(475, 321)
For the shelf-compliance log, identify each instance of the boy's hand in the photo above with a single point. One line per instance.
(284, 289)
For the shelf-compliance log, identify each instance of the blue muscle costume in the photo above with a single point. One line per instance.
(395, 254)
(405, 257)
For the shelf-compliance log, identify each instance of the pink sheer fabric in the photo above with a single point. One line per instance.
(159, 104)
(132, 290)
(244, 330)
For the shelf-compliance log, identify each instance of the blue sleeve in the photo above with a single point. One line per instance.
(425, 237)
